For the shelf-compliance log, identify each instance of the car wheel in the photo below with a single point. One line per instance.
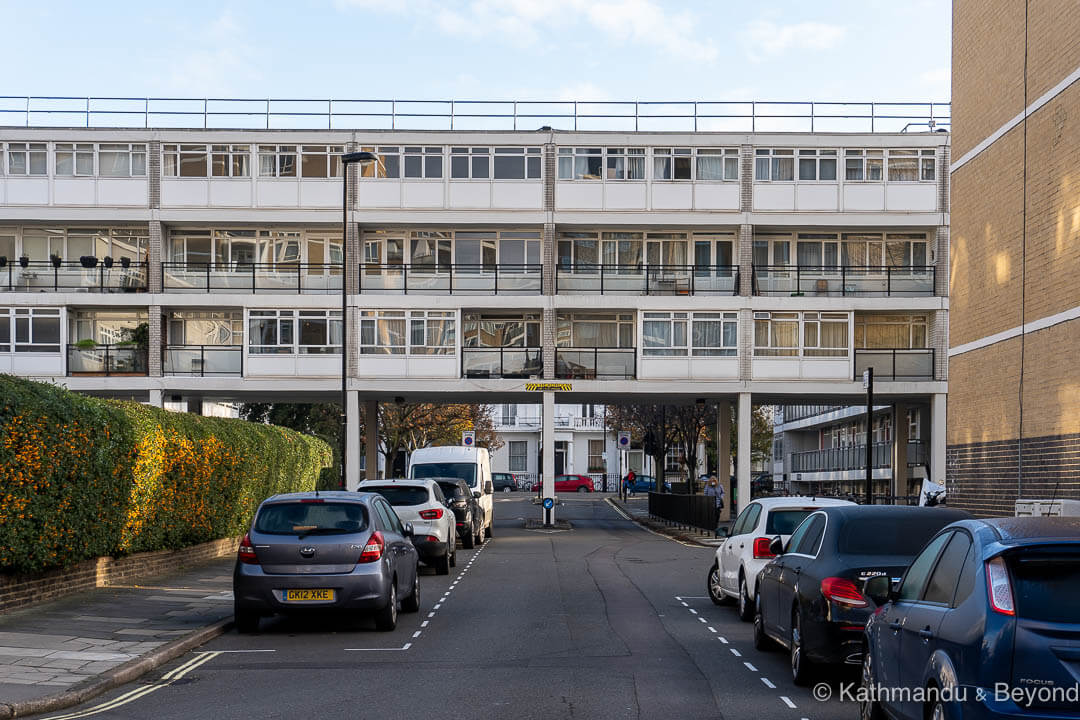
(469, 540)
(715, 593)
(869, 709)
(442, 565)
(247, 621)
(800, 666)
(411, 604)
(506, 489)
(582, 488)
(762, 641)
(489, 533)
(746, 605)
(386, 619)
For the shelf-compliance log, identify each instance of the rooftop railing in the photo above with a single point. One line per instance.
(392, 114)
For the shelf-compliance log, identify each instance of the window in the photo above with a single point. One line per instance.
(890, 331)
(825, 334)
(776, 334)
(672, 164)
(423, 162)
(817, 250)
(810, 541)
(431, 332)
(519, 455)
(230, 160)
(772, 249)
(320, 332)
(184, 160)
(715, 334)
(470, 163)
(817, 165)
(584, 330)
(37, 330)
(5, 330)
(664, 333)
(382, 332)
(387, 166)
(673, 459)
(121, 160)
(911, 165)
(862, 165)
(581, 163)
(625, 164)
(505, 331)
(892, 249)
(74, 158)
(27, 158)
(513, 163)
(919, 570)
(271, 332)
(775, 165)
(277, 161)
(717, 164)
(711, 334)
(507, 163)
(596, 456)
(320, 161)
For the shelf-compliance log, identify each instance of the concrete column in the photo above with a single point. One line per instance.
(548, 477)
(899, 450)
(746, 344)
(157, 398)
(937, 437)
(745, 259)
(155, 343)
(548, 324)
(352, 440)
(743, 450)
(723, 454)
(155, 254)
(371, 439)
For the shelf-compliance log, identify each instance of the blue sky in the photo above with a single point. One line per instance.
(482, 49)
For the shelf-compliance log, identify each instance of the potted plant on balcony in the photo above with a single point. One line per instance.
(55, 260)
(137, 338)
(86, 344)
(107, 261)
(3, 261)
(88, 261)
(125, 262)
(24, 261)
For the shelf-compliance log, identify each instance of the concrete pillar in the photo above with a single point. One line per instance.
(352, 440)
(548, 477)
(743, 450)
(157, 398)
(155, 343)
(899, 450)
(723, 454)
(371, 439)
(745, 255)
(937, 437)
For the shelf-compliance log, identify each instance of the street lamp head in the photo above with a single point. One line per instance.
(364, 156)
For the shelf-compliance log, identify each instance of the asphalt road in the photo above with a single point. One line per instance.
(602, 621)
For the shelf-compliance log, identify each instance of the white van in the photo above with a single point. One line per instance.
(471, 464)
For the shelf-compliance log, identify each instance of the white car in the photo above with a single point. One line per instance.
(746, 550)
(422, 503)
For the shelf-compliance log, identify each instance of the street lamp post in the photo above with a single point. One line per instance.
(346, 160)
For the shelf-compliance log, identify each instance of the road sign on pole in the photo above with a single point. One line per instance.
(624, 440)
(468, 438)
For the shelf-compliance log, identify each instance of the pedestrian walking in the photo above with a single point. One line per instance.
(629, 483)
(713, 489)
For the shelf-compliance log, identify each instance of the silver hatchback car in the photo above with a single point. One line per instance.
(328, 550)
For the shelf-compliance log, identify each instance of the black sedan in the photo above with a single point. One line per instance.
(468, 515)
(810, 599)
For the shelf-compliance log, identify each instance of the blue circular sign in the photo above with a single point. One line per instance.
(549, 503)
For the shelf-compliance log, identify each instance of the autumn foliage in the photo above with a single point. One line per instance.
(82, 477)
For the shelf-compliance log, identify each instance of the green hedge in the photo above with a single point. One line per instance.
(82, 477)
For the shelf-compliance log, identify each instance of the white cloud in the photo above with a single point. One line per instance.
(764, 39)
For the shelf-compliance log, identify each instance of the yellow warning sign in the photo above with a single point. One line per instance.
(549, 387)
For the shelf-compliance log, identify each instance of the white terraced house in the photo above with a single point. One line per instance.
(168, 263)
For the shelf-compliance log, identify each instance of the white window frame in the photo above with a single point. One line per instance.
(767, 163)
(675, 340)
(331, 330)
(519, 461)
(30, 316)
(132, 155)
(618, 163)
(279, 161)
(280, 319)
(235, 159)
(595, 459)
(424, 322)
(864, 162)
(478, 163)
(877, 244)
(173, 156)
(727, 320)
(812, 323)
(30, 152)
(770, 349)
(80, 155)
(923, 159)
(570, 158)
(7, 328)
(668, 157)
(917, 327)
(371, 331)
(388, 166)
(533, 163)
(817, 158)
(424, 153)
(329, 154)
(730, 164)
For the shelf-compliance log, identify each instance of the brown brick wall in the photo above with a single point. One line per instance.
(23, 590)
(1054, 44)
(983, 394)
(1052, 381)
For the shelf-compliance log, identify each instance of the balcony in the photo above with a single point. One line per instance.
(596, 363)
(853, 457)
(502, 362)
(74, 276)
(451, 279)
(204, 360)
(845, 280)
(896, 364)
(106, 360)
(269, 278)
(801, 412)
(648, 279)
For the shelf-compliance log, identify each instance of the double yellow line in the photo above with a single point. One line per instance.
(167, 679)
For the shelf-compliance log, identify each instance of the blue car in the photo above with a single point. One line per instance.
(646, 483)
(984, 624)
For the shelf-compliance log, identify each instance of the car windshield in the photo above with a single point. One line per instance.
(452, 490)
(311, 518)
(1043, 579)
(463, 470)
(888, 535)
(784, 522)
(400, 494)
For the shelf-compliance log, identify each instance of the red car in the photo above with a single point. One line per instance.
(569, 483)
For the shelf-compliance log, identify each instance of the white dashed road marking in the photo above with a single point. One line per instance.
(768, 684)
(787, 701)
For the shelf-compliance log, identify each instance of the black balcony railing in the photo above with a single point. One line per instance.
(900, 364)
(279, 278)
(850, 457)
(647, 279)
(106, 360)
(801, 412)
(66, 275)
(845, 280)
(452, 279)
(203, 360)
(596, 363)
(502, 362)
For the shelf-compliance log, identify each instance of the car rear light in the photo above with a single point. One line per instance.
(431, 538)
(842, 591)
(434, 514)
(761, 549)
(998, 587)
(312, 500)
(246, 552)
(373, 549)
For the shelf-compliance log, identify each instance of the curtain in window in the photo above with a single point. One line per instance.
(595, 334)
(710, 167)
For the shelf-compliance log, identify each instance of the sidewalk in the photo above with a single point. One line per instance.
(63, 645)
(637, 507)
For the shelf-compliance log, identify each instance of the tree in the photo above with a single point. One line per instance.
(691, 423)
(648, 425)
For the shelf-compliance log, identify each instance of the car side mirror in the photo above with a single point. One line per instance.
(407, 529)
(879, 589)
(488, 487)
(476, 494)
(776, 547)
